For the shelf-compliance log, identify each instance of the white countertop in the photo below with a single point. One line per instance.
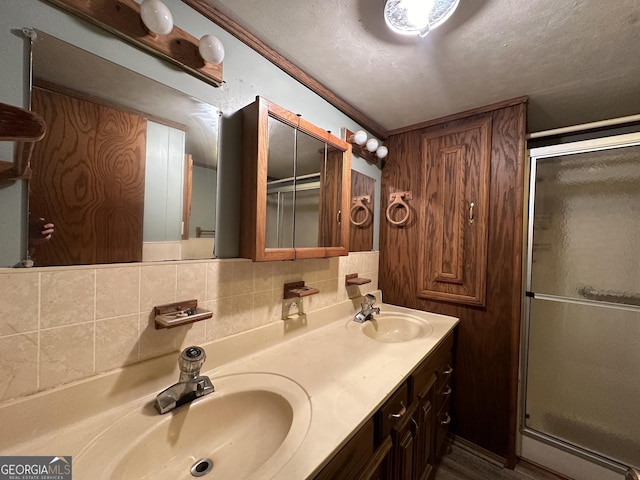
(345, 374)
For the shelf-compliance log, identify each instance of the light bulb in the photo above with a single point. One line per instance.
(417, 17)
(382, 152)
(360, 137)
(211, 49)
(156, 16)
(372, 145)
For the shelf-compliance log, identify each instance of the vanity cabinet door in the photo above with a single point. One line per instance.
(350, 461)
(425, 452)
(442, 403)
(454, 218)
(404, 435)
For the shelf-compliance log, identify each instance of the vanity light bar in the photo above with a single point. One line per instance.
(122, 18)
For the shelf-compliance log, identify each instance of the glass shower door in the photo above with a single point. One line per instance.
(582, 361)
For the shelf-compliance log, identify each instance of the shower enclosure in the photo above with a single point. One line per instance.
(581, 362)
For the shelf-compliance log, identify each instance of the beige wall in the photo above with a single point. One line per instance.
(68, 323)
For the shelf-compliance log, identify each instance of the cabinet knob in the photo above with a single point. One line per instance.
(447, 392)
(448, 370)
(446, 421)
(401, 413)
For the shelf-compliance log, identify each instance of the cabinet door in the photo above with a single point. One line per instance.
(352, 458)
(405, 442)
(456, 163)
(425, 453)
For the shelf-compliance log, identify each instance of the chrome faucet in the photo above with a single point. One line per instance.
(367, 311)
(191, 384)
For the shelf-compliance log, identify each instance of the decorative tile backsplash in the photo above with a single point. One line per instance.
(61, 324)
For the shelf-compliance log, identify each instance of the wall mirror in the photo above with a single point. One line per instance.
(128, 168)
(295, 186)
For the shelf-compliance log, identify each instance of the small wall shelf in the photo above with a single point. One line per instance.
(173, 315)
(25, 128)
(298, 290)
(354, 279)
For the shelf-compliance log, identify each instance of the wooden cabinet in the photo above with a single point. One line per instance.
(425, 451)
(296, 179)
(454, 218)
(410, 428)
(352, 458)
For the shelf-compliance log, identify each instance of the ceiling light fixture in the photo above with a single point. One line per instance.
(417, 17)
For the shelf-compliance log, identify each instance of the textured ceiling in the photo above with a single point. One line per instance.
(577, 60)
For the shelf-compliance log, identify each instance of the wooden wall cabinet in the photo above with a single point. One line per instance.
(422, 261)
(296, 179)
(410, 428)
(454, 219)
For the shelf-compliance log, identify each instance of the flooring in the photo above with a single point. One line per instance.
(462, 464)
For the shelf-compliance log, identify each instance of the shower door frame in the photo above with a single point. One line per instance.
(535, 154)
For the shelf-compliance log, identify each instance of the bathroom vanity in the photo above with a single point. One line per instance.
(315, 397)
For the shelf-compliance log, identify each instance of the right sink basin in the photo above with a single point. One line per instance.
(395, 327)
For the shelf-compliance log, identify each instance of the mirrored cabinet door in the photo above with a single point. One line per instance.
(279, 219)
(310, 159)
(293, 187)
(334, 214)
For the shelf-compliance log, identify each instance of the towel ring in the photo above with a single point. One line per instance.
(358, 203)
(397, 201)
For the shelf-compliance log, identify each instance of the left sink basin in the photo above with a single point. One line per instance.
(248, 428)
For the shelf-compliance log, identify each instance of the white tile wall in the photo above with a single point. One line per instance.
(61, 324)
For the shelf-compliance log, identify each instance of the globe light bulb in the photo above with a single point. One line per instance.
(156, 16)
(372, 145)
(211, 49)
(360, 137)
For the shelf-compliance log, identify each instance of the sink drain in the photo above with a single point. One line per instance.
(202, 467)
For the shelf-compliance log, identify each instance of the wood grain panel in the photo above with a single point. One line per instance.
(331, 213)
(361, 236)
(486, 353)
(449, 256)
(119, 169)
(88, 179)
(454, 215)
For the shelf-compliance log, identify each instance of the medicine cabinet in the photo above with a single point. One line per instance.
(296, 180)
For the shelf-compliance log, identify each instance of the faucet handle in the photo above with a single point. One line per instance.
(191, 360)
(369, 300)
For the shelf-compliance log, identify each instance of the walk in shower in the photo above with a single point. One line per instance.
(581, 363)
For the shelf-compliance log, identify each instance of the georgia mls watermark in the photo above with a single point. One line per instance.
(35, 468)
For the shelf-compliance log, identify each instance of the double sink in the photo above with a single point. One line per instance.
(249, 428)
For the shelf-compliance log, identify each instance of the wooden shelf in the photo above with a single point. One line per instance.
(25, 128)
(173, 315)
(354, 279)
(298, 290)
